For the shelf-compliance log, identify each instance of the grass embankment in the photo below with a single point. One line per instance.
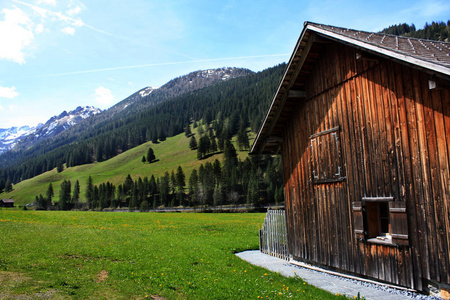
(94, 255)
(170, 154)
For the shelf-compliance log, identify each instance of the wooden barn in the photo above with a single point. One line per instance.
(6, 203)
(362, 122)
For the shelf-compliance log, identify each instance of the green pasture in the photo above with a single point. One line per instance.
(170, 154)
(94, 255)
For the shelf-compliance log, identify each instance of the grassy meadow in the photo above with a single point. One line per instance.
(170, 154)
(94, 255)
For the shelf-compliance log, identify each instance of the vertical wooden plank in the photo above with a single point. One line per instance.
(406, 193)
(384, 141)
(439, 171)
(362, 131)
(345, 245)
(350, 162)
(430, 168)
(372, 153)
(416, 177)
(392, 170)
(443, 135)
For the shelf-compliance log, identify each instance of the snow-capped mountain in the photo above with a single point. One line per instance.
(55, 125)
(184, 84)
(10, 136)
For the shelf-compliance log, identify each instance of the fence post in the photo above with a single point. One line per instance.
(273, 234)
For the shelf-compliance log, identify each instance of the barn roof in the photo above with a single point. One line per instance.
(430, 56)
(7, 200)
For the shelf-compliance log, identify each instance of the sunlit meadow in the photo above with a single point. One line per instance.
(92, 255)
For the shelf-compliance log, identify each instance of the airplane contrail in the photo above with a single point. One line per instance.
(160, 64)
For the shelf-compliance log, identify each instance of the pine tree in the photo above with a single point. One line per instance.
(150, 155)
(143, 159)
(90, 192)
(162, 135)
(49, 195)
(187, 130)
(242, 140)
(193, 188)
(173, 182)
(218, 195)
(144, 206)
(164, 187)
(8, 185)
(76, 194)
(40, 202)
(65, 202)
(180, 178)
(213, 145)
(60, 167)
(2, 184)
(193, 143)
(128, 189)
(96, 198)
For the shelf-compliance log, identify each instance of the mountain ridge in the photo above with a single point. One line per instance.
(27, 136)
(139, 100)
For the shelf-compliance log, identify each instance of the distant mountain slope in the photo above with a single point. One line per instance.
(9, 137)
(57, 127)
(115, 130)
(28, 136)
(58, 124)
(193, 81)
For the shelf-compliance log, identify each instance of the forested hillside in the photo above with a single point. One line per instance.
(238, 102)
(438, 31)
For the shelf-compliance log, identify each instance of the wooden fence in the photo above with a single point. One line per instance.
(273, 236)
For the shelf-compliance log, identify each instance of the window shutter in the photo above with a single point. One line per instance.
(358, 220)
(399, 222)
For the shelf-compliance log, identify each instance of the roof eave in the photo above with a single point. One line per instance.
(259, 143)
(256, 147)
(383, 51)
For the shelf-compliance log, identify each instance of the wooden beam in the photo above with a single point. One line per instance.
(435, 83)
(291, 83)
(274, 140)
(296, 94)
(366, 56)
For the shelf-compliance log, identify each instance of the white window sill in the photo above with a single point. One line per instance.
(381, 240)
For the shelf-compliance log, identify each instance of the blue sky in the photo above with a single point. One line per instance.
(56, 55)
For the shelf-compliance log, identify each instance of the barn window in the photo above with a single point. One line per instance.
(326, 161)
(378, 224)
(380, 220)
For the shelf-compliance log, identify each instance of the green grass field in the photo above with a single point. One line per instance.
(170, 154)
(94, 255)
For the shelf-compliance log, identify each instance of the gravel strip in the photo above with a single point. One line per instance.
(380, 287)
(331, 282)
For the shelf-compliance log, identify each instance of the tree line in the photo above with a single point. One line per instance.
(232, 102)
(255, 181)
(437, 31)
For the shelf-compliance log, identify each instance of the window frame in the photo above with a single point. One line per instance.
(398, 222)
(371, 208)
(319, 173)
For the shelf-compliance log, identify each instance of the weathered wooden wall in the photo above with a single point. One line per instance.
(395, 142)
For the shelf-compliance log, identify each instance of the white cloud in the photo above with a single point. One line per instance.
(46, 14)
(68, 30)
(8, 92)
(16, 34)
(39, 28)
(104, 96)
(74, 11)
(49, 2)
